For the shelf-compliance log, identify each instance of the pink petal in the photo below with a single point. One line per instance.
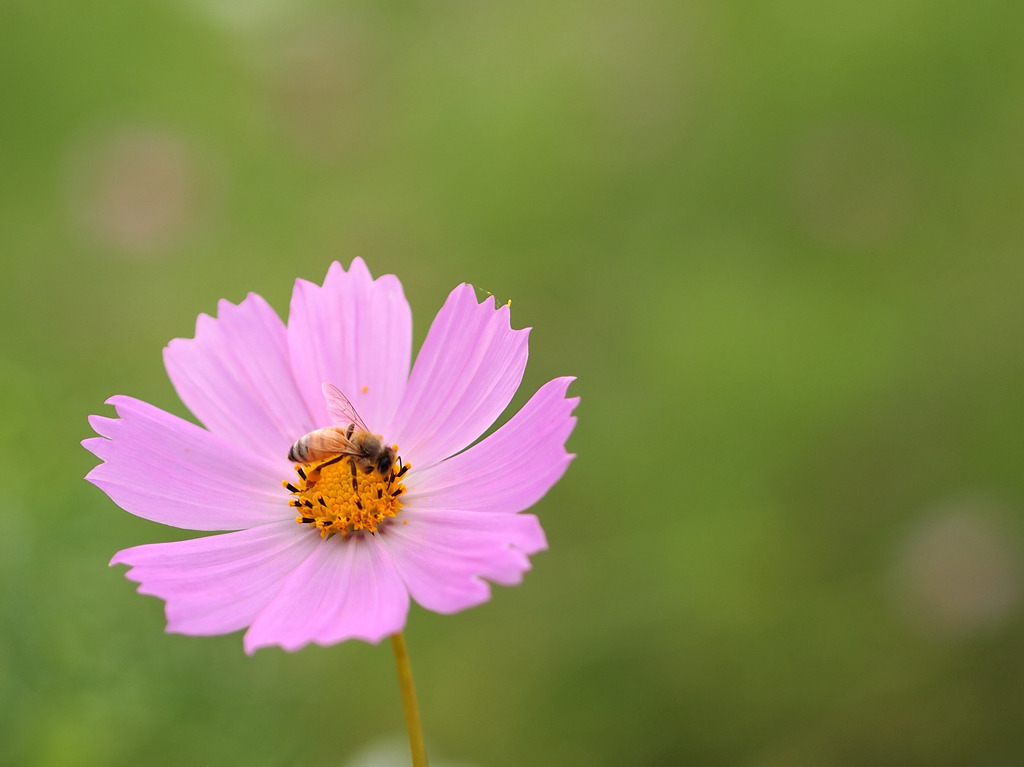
(443, 555)
(218, 584)
(348, 589)
(160, 467)
(512, 468)
(355, 333)
(465, 375)
(235, 377)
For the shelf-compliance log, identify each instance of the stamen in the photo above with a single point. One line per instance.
(336, 498)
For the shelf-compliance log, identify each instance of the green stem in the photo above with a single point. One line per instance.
(412, 710)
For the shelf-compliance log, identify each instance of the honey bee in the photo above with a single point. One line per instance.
(349, 436)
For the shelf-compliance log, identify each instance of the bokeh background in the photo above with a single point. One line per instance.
(780, 244)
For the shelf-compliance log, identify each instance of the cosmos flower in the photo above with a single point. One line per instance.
(334, 548)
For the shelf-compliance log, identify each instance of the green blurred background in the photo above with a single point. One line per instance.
(780, 244)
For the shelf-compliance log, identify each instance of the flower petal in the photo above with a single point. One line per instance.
(465, 375)
(355, 333)
(235, 377)
(218, 584)
(442, 555)
(160, 467)
(348, 589)
(512, 468)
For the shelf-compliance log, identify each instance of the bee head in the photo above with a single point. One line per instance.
(386, 461)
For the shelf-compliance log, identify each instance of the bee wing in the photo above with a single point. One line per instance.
(340, 409)
(333, 440)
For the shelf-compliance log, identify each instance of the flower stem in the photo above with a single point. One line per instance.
(412, 710)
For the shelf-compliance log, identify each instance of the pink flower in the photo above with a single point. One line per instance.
(333, 550)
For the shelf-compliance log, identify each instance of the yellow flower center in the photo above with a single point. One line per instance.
(339, 495)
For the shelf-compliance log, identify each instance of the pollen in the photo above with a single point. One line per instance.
(338, 496)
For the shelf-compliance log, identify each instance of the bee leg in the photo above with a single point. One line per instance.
(352, 465)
